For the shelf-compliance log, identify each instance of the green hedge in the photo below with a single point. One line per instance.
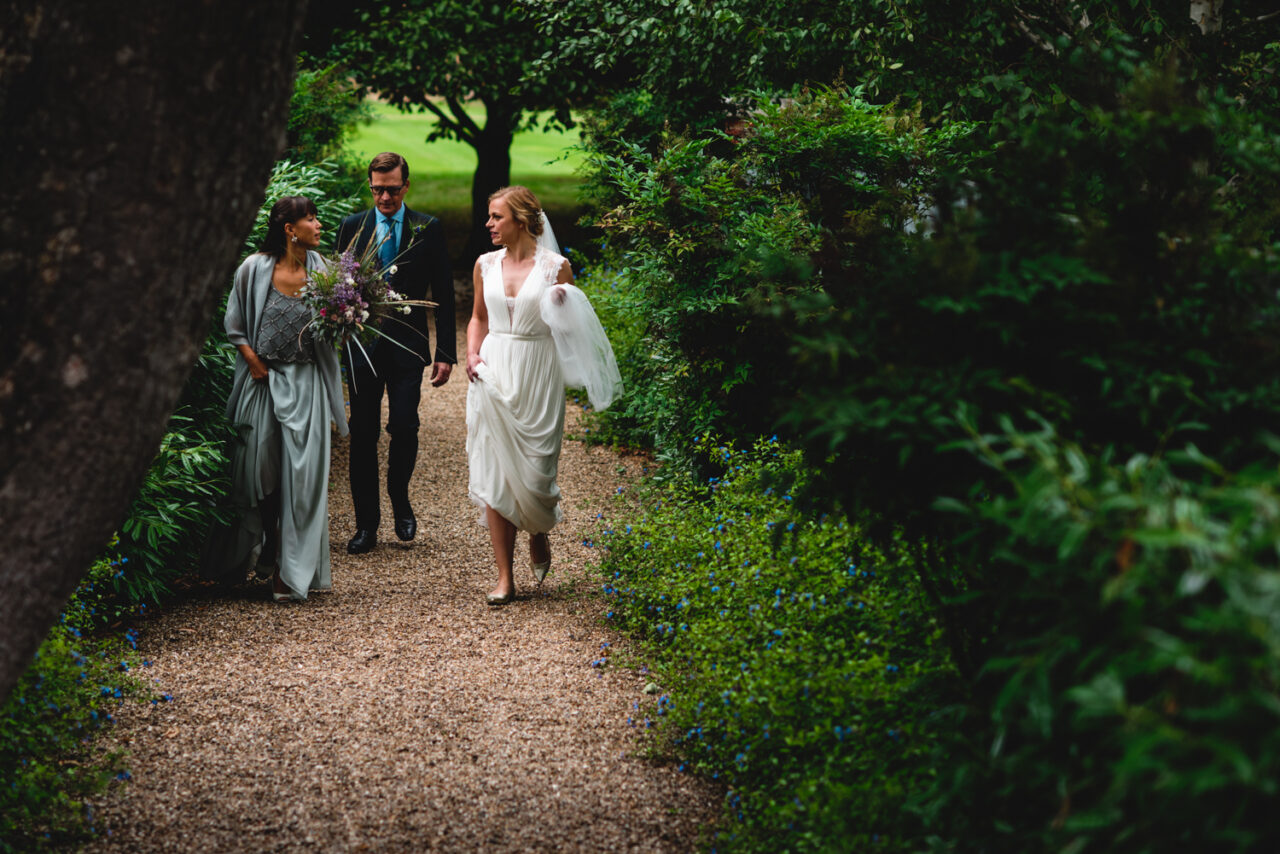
(798, 662)
(956, 321)
(712, 237)
(1130, 700)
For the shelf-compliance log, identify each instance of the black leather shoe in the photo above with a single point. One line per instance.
(364, 541)
(406, 526)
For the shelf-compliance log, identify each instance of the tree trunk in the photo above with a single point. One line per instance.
(493, 170)
(137, 145)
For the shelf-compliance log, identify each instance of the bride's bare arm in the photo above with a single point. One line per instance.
(478, 326)
(564, 277)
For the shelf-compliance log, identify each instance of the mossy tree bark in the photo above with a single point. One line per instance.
(137, 145)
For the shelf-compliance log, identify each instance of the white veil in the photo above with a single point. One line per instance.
(582, 347)
(547, 240)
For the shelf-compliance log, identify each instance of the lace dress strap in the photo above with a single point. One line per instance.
(489, 261)
(548, 265)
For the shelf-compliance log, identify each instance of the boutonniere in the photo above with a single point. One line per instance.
(414, 231)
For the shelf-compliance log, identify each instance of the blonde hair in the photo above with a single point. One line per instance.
(524, 206)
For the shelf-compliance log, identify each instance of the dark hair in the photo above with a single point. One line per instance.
(286, 211)
(524, 206)
(387, 161)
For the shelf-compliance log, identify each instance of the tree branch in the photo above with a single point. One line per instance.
(448, 121)
(461, 117)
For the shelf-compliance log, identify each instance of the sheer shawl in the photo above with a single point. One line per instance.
(582, 347)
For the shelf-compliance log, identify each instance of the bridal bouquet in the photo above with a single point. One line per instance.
(351, 298)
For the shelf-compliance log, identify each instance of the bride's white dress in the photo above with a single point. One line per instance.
(515, 409)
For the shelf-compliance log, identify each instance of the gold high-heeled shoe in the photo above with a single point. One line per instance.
(540, 570)
(490, 599)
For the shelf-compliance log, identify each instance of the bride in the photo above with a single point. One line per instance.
(531, 332)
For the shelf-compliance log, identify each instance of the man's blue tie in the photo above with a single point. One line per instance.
(387, 251)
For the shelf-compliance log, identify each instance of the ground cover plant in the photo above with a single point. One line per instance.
(48, 761)
(796, 661)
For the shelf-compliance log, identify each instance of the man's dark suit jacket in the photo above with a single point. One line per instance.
(422, 272)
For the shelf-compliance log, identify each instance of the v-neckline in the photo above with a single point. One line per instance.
(298, 295)
(503, 276)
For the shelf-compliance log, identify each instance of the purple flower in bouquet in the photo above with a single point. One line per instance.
(350, 298)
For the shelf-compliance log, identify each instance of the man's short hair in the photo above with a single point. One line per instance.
(388, 161)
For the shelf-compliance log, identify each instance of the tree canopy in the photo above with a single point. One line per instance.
(696, 55)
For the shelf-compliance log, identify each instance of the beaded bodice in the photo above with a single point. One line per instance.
(285, 333)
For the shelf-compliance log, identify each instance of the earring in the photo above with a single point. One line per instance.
(294, 238)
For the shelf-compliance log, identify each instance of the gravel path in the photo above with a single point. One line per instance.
(399, 712)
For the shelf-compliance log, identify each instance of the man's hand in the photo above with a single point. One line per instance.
(440, 373)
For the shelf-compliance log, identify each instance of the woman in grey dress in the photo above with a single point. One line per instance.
(285, 392)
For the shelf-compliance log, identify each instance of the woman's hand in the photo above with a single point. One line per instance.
(473, 360)
(257, 368)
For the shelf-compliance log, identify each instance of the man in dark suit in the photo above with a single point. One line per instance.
(415, 249)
